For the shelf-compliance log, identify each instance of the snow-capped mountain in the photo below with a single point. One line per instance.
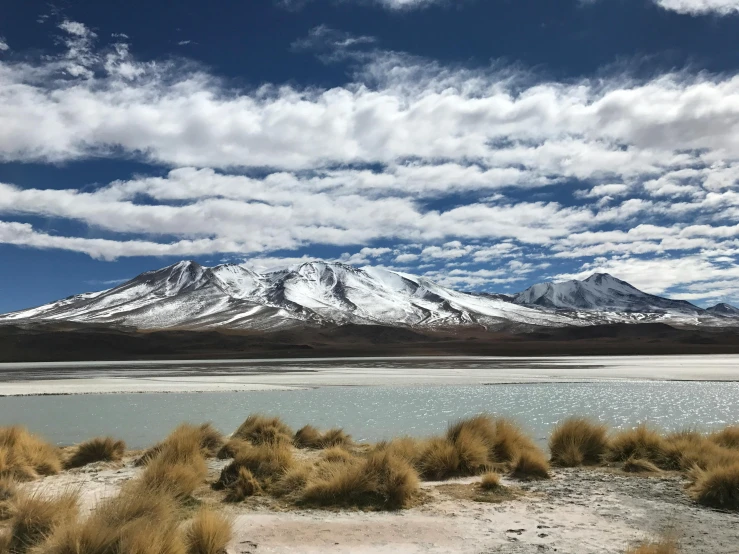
(723, 309)
(190, 296)
(601, 292)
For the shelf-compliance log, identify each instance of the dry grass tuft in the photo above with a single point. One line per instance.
(663, 546)
(244, 486)
(267, 462)
(718, 487)
(530, 464)
(490, 481)
(336, 454)
(24, 456)
(292, 482)
(35, 517)
(260, 429)
(8, 490)
(101, 449)
(208, 533)
(310, 437)
(185, 441)
(230, 449)
(640, 442)
(637, 465)
(380, 480)
(177, 478)
(728, 437)
(578, 441)
(439, 460)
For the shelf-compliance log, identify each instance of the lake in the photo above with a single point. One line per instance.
(371, 398)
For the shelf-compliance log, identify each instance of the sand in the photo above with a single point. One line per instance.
(249, 375)
(578, 511)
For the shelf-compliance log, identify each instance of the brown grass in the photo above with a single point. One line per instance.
(662, 546)
(8, 490)
(718, 487)
(336, 454)
(267, 462)
(100, 449)
(310, 437)
(178, 478)
(244, 486)
(728, 437)
(35, 517)
(292, 481)
(378, 481)
(260, 429)
(185, 441)
(637, 465)
(24, 456)
(640, 442)
(208, 533)
(230, 448)
(530, 464)
(578, 441)
(490, 481)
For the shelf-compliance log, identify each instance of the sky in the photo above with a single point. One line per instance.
(486, 144)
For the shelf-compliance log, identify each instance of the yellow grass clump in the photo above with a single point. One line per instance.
(208, 533)
(8, 490)
(100, 449)
(640, 442)
(637, 465)
(578, 441)
(260, 429)
(244, 486)
(230, 448)
(310, 437)
(530, 464)
(34, 517)
(718, 487)
(24, 456)
(490, 481)
(728, 437)
(336, 454)
(378, 481)
(266, 462)
(292, 481)
(186, 438)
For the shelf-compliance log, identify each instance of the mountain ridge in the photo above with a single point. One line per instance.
(187, 295)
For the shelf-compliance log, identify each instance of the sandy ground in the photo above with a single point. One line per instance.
(245, 375)
(579, 511)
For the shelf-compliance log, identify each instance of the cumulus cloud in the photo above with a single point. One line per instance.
(699, 7)
(452, 167)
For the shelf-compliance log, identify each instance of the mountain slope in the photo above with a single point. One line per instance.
(187, 295)
(601, 292)
(723, 309)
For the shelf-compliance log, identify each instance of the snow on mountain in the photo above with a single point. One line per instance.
(601, 292)
(188, 295)
(725, 310)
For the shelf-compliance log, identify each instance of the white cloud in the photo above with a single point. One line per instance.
(3, 45)
(700, 7)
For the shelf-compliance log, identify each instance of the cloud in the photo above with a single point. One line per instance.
(393, 5)
(700, 7)
(3, 45)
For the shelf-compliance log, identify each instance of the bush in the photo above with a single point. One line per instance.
(578, 441)
(35, 517)
(292, 481)
(718, 487)
(380, 480)
(310, 437)
(230, 449)
(101, 449)
(243, 486)
(24, 456)
(336, 454)
(439, 460)
(179, 478)
(208, 533)
(259, 429)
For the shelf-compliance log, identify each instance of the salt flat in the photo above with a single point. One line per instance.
(253, 375)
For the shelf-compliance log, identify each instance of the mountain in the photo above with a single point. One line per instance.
(187, 295)
(601, 292)
(725, 310)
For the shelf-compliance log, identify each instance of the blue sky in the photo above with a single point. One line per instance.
(487, 144)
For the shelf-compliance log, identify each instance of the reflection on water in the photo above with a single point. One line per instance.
(373, 413)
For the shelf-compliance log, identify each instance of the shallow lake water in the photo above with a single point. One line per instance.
(376, 412)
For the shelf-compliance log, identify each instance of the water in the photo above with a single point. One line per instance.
(376, 412)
